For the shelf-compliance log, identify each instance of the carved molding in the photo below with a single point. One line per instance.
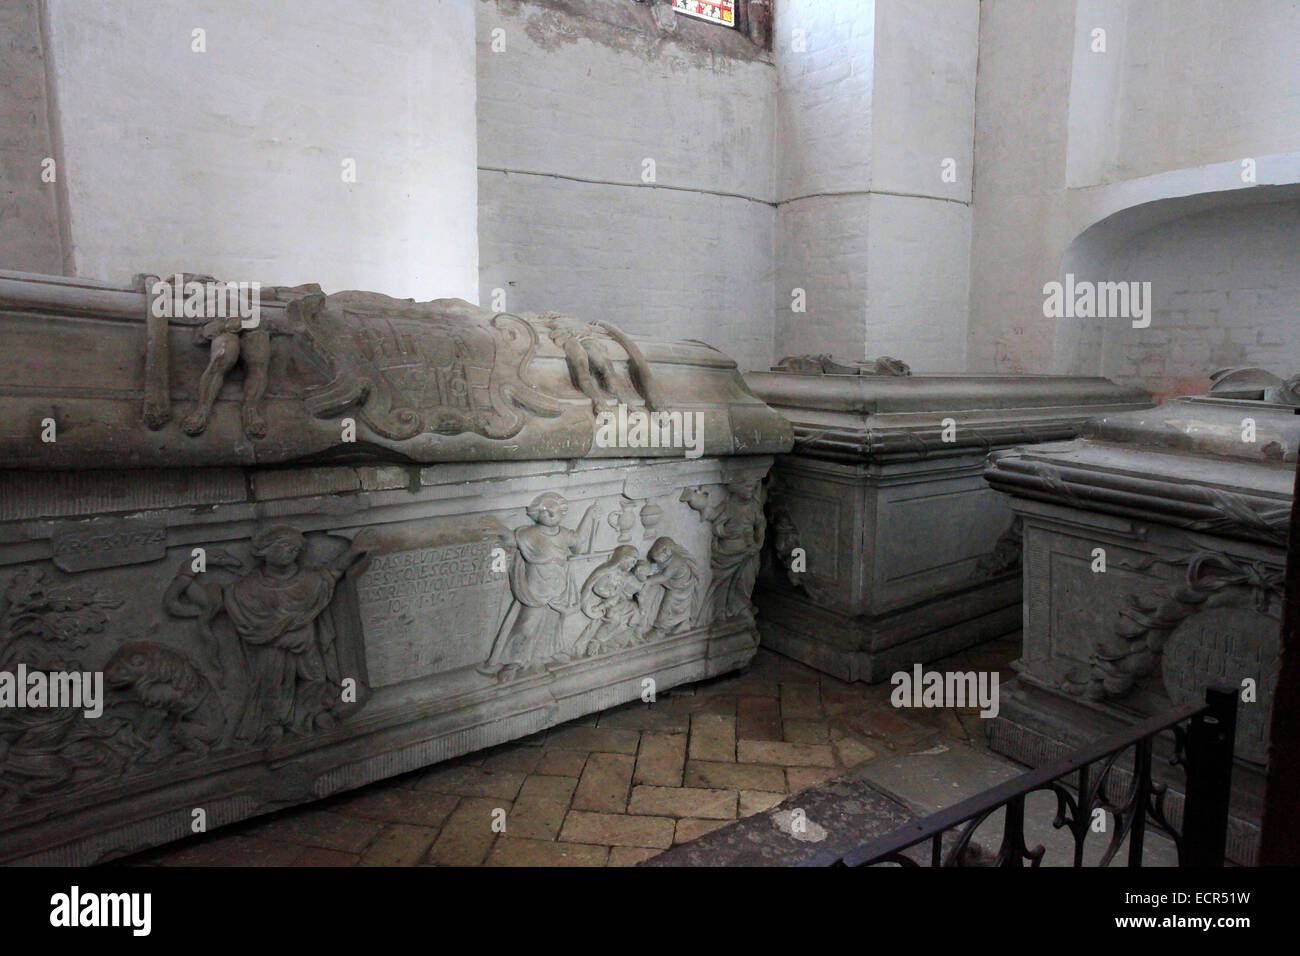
(352, 374)
(1178, 504)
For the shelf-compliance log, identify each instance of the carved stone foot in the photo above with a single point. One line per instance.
(195, 423)
(254, 423)
(156, 418)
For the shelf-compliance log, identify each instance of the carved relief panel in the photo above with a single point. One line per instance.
(239, 648)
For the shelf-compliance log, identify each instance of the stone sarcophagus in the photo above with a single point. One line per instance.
(886, 546)
(1154, 555)
(250, 557)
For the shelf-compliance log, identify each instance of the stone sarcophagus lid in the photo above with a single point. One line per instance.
(257, 554)
(1154, 554)
(886, 546)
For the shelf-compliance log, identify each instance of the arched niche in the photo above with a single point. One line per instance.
(1223, 261)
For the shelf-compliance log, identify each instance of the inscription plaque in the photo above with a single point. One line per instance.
(428, 610)
(107, 544)
(1225, 645)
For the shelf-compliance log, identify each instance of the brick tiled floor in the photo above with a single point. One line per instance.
(611, 789)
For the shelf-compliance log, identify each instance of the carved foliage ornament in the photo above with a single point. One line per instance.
(1007, 552)
(784, 540)
(46, 750)
(1133, 652)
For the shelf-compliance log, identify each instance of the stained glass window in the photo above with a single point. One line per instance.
(717, 11)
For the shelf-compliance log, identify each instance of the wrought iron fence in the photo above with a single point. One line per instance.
(1202, 745)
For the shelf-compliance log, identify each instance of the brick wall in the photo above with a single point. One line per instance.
(1225, 286)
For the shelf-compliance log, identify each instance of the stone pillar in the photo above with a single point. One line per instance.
(875, 130)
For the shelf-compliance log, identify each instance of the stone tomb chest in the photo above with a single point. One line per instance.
(338, 539)
(1154, 552)
(907, 556)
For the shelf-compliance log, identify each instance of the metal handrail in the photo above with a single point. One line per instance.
(1205, 749)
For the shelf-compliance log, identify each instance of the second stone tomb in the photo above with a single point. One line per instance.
(886, 547)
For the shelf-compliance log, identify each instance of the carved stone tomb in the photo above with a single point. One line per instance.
(887, 548)
(1154, 551)
(341, 538)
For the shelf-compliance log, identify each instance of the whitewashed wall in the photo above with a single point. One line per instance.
(230, 161)
(29, 217)
(1070, 138)
(1226, 285)
(520, 169)
(571, 103)
(873, 98)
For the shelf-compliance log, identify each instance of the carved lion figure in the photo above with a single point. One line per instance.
(168, 684)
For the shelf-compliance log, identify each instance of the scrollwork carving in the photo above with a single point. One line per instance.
(1006, 555)
(445, 368)
(1134, 651)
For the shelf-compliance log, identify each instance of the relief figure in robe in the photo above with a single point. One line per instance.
(287, 641)
(609, 598)
(675, 573)
(542, 586)
(738, 528)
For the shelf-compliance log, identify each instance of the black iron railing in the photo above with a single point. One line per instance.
(1084, 783)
